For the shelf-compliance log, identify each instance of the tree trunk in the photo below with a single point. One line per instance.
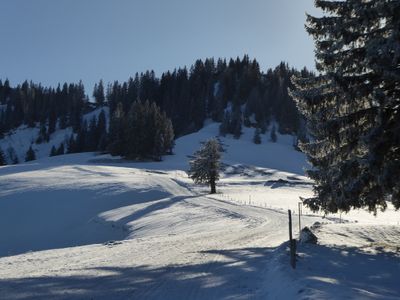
(212, 184)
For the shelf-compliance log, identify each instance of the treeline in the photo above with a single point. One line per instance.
(236, 89)
(146, 112)
(51, 109)
(31, 103)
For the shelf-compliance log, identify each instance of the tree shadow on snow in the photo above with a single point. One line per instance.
(62, 218)
(335, 272)
(156, 206)
(228, 274)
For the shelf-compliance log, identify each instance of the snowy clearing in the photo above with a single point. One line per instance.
(96, 227)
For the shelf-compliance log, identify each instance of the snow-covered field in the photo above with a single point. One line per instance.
(95, 227)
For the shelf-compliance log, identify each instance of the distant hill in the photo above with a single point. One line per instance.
(233, 92)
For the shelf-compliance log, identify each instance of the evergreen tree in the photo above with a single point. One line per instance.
(92, 138)
(263, 127)
(101, 135)
(158, 145)
(164, 136)
(2, 158)
(82, 138)
(63, 122)
(98, 93)
(103, 143)
(350, 106)
(60, 149)
(273, 137)
(225, 125)
(257, 137)
(136, 145)
(205, 166)
(2, 125)
(168, 134)
(149, 132)
(382, 58)
(53, 151)
(52, 121)
(30, 154)
(43, 135)
(236, 124)
(72, 145)
(117, 135)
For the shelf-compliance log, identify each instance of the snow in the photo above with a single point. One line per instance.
(23, 137)
(89, 226)
(351, 261)
(278, 156)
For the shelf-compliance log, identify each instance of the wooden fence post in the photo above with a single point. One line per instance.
(300, 213)
(292, 243)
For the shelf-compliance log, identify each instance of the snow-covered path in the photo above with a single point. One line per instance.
(200, 266)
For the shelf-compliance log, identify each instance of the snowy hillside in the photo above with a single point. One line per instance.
(23, 137)
(98, 227)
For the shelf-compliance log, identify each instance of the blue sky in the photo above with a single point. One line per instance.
(51, 41)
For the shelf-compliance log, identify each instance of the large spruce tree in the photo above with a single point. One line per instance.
(345, 103)
(383, 60)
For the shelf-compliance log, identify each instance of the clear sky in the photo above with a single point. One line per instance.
(51, 41)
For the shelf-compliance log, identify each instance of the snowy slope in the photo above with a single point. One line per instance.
(98, 227)
(23, 137)
(92, 199)
(279, 156)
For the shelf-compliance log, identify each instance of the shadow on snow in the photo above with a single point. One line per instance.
(237, 275)
(335, 272)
